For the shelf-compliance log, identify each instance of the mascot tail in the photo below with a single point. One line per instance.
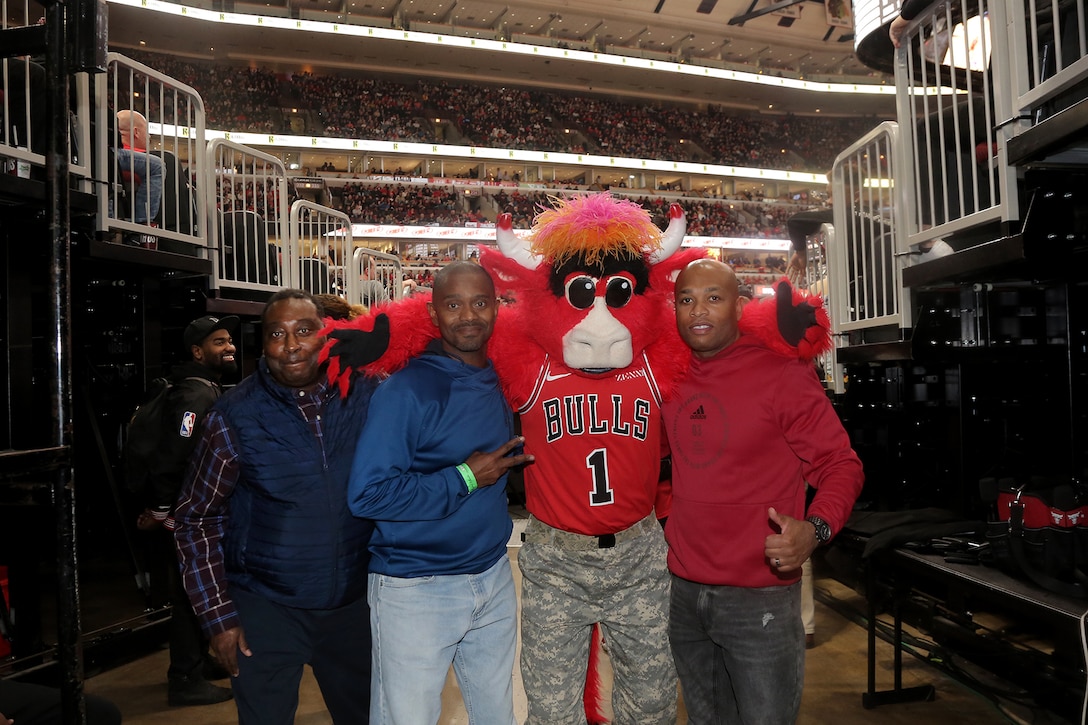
(591, 697)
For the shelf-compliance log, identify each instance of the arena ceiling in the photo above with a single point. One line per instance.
(751, 32)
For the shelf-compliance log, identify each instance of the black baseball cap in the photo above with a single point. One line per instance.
(199, 329)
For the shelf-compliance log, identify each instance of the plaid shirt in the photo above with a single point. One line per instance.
(201, 515)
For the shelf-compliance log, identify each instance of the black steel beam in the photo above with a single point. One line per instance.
(752, 14)
(29, 40)
(1050, 136)
(16, 463)
(57, 155)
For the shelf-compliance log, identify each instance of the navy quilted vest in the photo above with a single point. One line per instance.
(290, 536)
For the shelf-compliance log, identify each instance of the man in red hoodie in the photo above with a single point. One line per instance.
(747, 428)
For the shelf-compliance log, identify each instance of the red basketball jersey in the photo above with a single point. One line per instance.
(597, 443)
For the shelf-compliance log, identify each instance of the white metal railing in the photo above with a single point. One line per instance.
(247, 194)
(318, 250)
(1050, 44)
(22, 115)
(380, 277)
(79, 137)
(815, 279)
(152, 191)
(955, 114)
(970, 75)
(815, 275)
(23, 134)
(865, 260)
(24, 127)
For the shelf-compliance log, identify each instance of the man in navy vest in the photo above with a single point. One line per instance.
(274, 563)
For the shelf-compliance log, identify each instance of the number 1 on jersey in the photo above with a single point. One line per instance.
(597, 463)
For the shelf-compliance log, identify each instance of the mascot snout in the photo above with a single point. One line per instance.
(598, 343)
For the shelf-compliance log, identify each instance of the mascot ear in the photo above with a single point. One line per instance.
(509, 274)
(663, 274)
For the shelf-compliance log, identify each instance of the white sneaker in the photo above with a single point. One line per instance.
(938, 249)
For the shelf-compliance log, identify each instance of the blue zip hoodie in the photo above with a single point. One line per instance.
(424, 421)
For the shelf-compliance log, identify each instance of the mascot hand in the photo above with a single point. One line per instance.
(793, 323)
(794, 320)
(356, 348)
(348, 349)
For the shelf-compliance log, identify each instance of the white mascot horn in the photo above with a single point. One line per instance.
(511, 245)
(673, 237)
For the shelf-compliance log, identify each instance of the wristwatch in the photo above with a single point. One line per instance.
(823, 530)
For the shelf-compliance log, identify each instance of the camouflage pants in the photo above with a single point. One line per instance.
(567, 586)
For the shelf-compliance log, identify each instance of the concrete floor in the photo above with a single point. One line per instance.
(835, 672)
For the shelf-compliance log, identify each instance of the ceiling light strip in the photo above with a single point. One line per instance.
(486, 234)
(500, 46)
(506, 156)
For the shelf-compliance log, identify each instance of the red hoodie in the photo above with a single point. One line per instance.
(747, 429)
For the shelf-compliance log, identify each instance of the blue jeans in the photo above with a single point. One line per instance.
(740, 652)
(148, 196)
(423, 624)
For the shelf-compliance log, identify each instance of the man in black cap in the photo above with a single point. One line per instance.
(195, 387)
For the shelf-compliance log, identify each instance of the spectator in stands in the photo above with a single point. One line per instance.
(373, 291)
(737, 532)
(441, 590)
(273, 561)
(801, 226)
(132, 158)
(908, 12)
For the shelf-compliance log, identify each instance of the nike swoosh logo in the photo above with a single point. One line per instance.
(548, 377)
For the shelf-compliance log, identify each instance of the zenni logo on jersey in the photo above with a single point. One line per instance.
(188, 423)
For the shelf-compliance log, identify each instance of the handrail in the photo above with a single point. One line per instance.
(319, 243)
(864, 262)
(246, 193)
(175, 118)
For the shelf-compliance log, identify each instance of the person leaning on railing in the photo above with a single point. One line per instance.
(908, 12)
(145, 170)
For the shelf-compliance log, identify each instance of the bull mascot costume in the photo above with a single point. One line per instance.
(586, 352)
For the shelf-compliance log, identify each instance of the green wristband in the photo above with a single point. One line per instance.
(469, 476)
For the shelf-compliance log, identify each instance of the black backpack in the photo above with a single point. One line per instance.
(144, 434)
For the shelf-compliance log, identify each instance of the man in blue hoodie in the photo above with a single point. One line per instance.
(440, 587)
